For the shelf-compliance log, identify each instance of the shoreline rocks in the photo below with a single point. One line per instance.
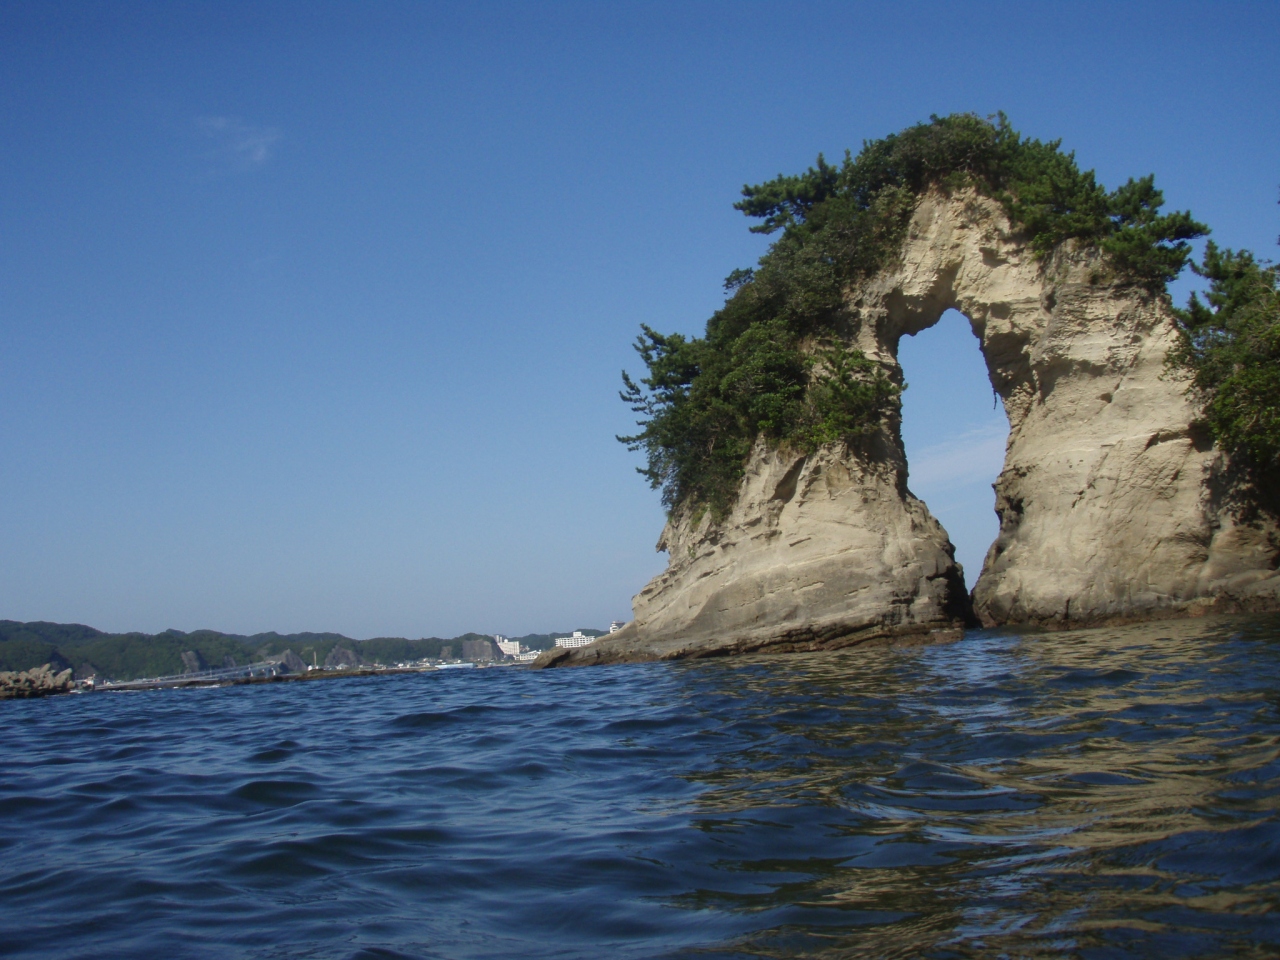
(36, 682)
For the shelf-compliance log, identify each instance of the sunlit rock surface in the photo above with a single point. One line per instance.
(1112, 505)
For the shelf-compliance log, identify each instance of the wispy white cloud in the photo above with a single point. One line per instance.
(976, 456)
(238, 145)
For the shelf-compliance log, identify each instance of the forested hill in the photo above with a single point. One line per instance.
(127, 656)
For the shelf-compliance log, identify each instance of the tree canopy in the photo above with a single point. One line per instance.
(1230, 350)
(770, 363)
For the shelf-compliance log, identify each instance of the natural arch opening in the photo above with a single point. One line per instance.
(954, 432)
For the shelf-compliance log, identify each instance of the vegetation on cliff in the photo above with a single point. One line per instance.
(771, 363)
(1230, 350)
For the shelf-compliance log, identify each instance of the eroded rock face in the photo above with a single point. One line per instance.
(342, 657)
(818, 552)
(1111, 505)
(292, 662)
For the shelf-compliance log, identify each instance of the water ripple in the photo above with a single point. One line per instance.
(1105, 793)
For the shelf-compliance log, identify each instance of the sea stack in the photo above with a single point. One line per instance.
(1113, 504)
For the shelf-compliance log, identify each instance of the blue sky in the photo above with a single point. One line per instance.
(313, 314)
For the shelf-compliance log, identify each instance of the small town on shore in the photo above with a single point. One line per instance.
(471, 653)
(481, 651)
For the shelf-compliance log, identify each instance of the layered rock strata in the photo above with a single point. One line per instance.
(1112, 506)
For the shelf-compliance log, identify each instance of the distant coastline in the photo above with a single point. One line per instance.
(89, 652)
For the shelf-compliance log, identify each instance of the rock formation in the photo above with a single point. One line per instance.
(480, 648)
(341, 657)
(292, 663)
(36, 682)
(1111, 505)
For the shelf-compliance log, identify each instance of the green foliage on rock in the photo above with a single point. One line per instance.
(24, 654)
(1230, 349)
(771, 363)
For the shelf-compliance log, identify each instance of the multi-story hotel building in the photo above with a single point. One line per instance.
(579, 639)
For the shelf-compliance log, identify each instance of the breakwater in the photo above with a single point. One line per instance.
(37, 682)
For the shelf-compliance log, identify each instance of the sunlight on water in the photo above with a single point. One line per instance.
(1105, 793)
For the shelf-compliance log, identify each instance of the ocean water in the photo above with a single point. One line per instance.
(1105, 793)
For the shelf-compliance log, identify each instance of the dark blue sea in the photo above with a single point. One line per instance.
(1097, 794)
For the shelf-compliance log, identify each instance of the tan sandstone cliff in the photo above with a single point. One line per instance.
(1111, 505)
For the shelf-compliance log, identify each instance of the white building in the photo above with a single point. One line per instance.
(509, 648)
(617, 625)
(577, 640)
(528, 656)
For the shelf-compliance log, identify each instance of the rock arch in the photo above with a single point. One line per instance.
(1111, 505)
